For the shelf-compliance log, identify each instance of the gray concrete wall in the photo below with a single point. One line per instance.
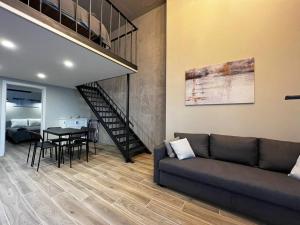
(147, 90)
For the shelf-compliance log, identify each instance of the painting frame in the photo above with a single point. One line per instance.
(229, 83)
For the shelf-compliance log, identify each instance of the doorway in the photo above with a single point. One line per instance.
(22, 110)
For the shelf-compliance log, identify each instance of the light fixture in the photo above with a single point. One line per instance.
(8, 44)
(41, 75)
(68, 64)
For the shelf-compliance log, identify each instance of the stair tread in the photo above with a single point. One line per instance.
(104, 106)
(123, 135)
(114, 122)
(117, 128)
(137, 148)
(135, 140)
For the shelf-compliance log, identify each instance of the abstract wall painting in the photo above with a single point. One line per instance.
(227, 83)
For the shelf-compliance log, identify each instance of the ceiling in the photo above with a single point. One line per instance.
(42, 51)
(135, 8)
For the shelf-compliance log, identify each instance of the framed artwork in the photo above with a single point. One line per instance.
(227, 83)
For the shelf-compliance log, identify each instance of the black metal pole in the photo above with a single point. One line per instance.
(127, 118)
(76, 15)
(60, 6)
(292, 97)
(90, 19)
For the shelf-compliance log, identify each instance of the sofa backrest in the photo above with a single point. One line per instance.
(277, 155)
(198, 142)
(243, 150)
(268, 154)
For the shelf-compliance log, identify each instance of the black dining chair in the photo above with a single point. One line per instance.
(76, 142)
(40, 143)
(94, 128)
(61, 141)
(92, 136)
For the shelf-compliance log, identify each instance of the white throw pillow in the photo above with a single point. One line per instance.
(183, 149)
(169, 148)
(295, 173)
(18, 123)
(34, 122)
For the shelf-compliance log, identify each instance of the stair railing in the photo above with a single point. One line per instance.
(147, 139)
(110, 101)
(121, 31)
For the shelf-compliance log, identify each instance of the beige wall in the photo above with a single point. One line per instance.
(214, 31)
(147, 87)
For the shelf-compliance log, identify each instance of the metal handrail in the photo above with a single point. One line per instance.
(143, 135)
(147, 139)
(116, 107)
(121, 30)
(110, 100)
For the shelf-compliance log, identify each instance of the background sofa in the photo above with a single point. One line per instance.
(243, 174)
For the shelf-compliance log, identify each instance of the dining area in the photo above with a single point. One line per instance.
(60, 144)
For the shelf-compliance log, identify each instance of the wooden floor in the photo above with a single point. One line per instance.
(104, 191)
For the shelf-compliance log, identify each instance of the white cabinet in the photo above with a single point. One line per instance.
(73, 123)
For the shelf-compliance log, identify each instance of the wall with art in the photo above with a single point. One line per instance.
(229, 68)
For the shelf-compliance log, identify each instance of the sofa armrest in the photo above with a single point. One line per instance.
(160, 152)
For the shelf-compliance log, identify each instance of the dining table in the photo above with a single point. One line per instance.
(65, 134)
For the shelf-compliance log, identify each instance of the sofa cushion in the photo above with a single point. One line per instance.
(198, 142)
(182, 149)
(242, 150)
(15, 123)
(295, 173)
(169, 148)
(273, 187)
(278, 155)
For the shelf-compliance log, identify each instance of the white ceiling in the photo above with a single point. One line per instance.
(42, 51)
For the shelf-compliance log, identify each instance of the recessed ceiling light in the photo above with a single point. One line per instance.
(8, 44)
(68, 64)
(41, 75)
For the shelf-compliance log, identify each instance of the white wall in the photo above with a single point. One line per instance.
(13, 112)
(63, 103)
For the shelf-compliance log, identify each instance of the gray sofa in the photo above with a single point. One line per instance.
(243, 174)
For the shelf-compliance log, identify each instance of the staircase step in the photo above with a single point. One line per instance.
(110, 117)
(100, 105)
(138, 148)
(117, 128)
(104, 106)
(123, 135)
(98, 101)
(114, 122)
(130, 142)
(105, 111)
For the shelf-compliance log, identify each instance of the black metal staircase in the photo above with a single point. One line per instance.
(113, 119)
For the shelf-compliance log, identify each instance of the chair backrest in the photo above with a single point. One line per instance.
(35, 136)
(94, 126)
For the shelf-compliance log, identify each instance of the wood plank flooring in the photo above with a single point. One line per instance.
(103, 191)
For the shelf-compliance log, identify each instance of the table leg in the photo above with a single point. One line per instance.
(70, 151)
(87, 149)
(59, 154)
